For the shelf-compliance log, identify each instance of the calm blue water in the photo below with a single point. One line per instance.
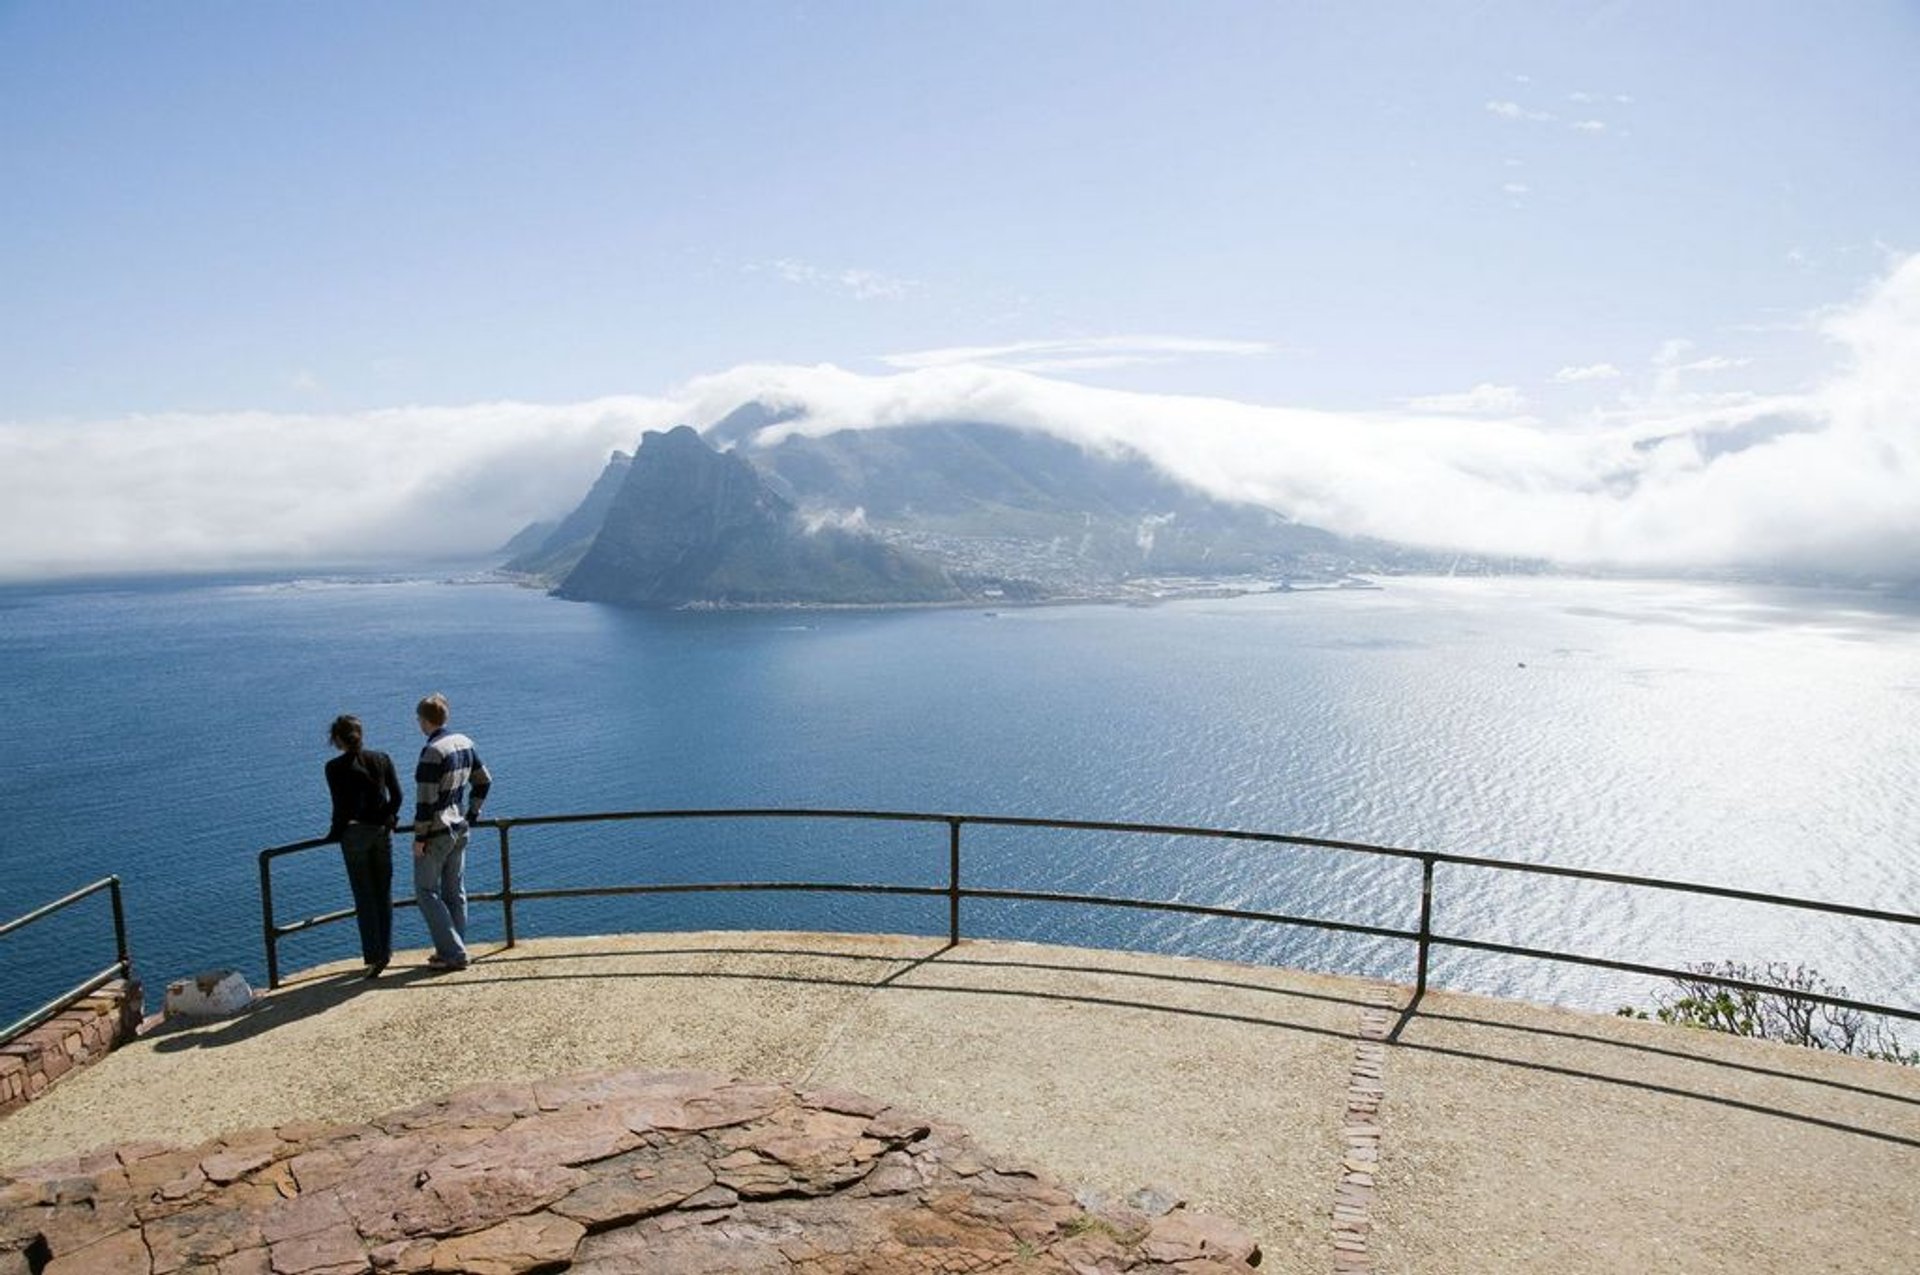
(1755, 737)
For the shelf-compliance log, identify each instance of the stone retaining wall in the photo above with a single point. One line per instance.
(91, 1028)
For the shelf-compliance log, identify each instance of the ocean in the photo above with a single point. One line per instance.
(1737, 735)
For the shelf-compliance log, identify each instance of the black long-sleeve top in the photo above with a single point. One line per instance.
(365, 789)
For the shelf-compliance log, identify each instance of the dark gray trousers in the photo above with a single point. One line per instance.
(368, 852)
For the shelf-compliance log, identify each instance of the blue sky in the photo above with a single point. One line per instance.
(272, 206)
(1527, 210)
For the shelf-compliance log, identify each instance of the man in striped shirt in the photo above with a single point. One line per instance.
(453, 784)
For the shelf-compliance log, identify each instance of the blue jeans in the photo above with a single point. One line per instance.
(440, 887)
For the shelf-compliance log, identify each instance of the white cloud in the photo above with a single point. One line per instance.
(1481, 399)
(1515, 111)
(817, 520)
(1582, 97)
(866, 285)
(1671, 351)
(181, 492)
(1079, 353)
(1671, 363)
(1824, 479)
(1516, 188)
(1090, 362)
(1590, 126)
(860, 284)
(1829, 478)
(1713, 363)
(305, 382)
(1149, 530)
(1590, 372)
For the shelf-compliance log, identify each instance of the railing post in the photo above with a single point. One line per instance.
(271, 934)
(506, 880)
(120, 927)
(1426, 924)
(953, 881)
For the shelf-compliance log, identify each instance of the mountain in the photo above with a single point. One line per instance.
(566, 542)
(938, 511)
(743, 422)
(969, 491)
(527, 539)
(691, 525)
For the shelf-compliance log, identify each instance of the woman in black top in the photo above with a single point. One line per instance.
(366, 805)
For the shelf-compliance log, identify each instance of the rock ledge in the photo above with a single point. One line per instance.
(685, 1172)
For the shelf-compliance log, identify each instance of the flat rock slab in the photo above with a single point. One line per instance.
(685, 1172)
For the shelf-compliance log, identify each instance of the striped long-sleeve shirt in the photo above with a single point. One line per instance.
(449, 769)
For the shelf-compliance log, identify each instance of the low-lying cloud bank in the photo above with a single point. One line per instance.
(254, 489)
(1824, 480)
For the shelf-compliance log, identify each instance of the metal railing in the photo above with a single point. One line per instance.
(121, 967)
(1423, 937)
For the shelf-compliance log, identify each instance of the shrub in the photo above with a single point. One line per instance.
(1782, 1013)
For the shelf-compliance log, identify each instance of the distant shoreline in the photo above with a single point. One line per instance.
(487, 572)
(1148, 592)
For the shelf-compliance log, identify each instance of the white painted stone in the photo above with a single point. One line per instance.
(214, 994)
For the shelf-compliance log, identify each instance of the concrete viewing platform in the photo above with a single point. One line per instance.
(1469, 1136)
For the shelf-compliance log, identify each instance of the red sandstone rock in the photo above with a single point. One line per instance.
(618, 1198)
(1181, 1236)
(200, 1236)
(230, 1166)
(122, 1253)
(683, 1172)
(334, 1250)
(519, 1244)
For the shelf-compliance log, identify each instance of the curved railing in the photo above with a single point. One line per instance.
(121, 967)
(954, 891)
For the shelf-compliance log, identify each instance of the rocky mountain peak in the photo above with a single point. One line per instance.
(692, 524)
